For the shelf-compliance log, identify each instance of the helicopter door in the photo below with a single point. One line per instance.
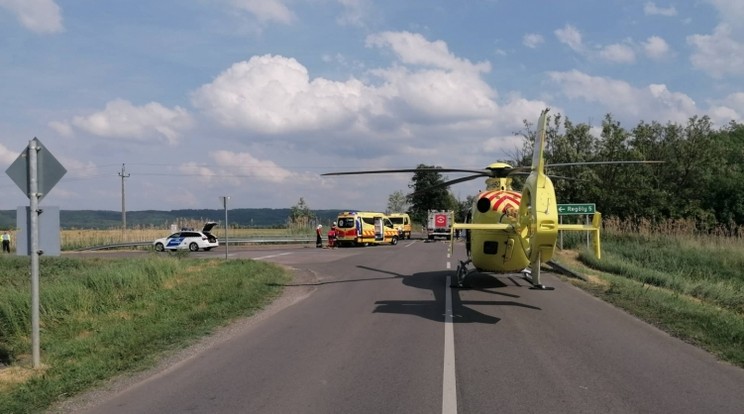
(509, 249)
(379, 229)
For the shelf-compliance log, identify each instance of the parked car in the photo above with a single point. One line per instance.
(189, 239)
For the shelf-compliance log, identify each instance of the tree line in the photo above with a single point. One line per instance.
(701, 177)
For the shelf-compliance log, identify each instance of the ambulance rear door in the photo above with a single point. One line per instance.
(379, 229)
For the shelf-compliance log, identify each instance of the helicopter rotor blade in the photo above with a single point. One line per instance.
(568, 164)
(447, 183)
(410, 170)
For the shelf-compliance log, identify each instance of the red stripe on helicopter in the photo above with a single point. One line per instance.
(504, 199)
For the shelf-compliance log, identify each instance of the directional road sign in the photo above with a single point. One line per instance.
(576, 209)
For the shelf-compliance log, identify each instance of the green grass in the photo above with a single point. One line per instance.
(102, 317)
(692, 288)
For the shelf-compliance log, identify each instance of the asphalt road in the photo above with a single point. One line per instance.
(378, 330)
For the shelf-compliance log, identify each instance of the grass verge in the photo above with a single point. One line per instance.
(700, 319)
(102, 317)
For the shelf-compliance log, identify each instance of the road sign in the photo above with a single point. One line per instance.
(35, 172)
(50, 171)
(576, 209)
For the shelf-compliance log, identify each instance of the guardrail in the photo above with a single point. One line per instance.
(231, 241)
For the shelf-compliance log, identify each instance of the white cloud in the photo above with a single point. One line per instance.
(414, 49)
(436, 96)
(266, 10)
(121, 119)
(570, 36)
(532, 40)
(620, 98)
(239, 169)
(63, 128)
(7, 156)
(651, 9)
(203, 172)
(354, 12)
(730, 11)
(618, 53)
(39, 16)
(80, 168)
(656, 48)
(244, 164)
(731, 108)
(719, 54)
(274, 94)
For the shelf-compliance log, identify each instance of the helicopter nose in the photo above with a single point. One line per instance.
(483, 205)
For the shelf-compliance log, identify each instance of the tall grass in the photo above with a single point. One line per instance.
(100, 317)
(73, 239)
(686, 281)
(704, 266)
(78, 239)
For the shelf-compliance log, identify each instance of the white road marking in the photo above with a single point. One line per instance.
(271, 256)
(449, 381)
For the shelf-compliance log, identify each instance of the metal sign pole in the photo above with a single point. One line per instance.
(33, 196)
(227, 241)
(35, 182)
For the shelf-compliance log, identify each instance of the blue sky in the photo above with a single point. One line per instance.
(256, 98)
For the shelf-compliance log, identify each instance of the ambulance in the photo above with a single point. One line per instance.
(402, 222)
(363, 228)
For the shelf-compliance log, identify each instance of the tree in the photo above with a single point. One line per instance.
(397, 203)
(462, 211)
(726, 193)
(428, 194)
(300, 216)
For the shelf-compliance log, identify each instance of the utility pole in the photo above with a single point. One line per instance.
(123, 175)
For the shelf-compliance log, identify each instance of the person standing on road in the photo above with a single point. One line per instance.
(6, 242)
(318, 237)
(332, 236)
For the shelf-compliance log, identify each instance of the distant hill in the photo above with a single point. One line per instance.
(105, 219)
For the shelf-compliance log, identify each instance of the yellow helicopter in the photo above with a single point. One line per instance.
(510, 231)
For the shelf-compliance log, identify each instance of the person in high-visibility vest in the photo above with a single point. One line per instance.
(332, 236)
(6, 242)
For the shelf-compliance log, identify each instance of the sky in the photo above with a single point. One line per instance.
(181, 102)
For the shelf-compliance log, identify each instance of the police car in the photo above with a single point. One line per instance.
(189, 239)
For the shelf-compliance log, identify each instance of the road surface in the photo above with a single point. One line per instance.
(378, 330)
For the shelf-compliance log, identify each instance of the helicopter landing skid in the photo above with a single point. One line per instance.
(541, 287)
(527, 275)
(460, 275)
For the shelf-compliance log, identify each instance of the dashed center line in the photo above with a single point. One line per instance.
(449, 381)
(271, 256)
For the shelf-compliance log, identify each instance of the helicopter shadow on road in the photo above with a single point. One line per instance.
(461, 309)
